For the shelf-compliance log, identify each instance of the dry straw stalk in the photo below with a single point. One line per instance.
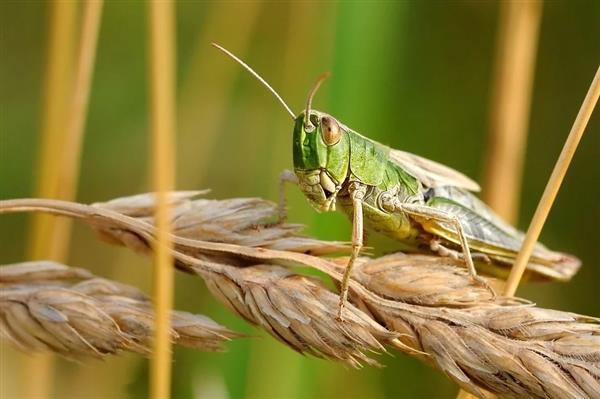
(553, 185)
(516, 48)
(162, 109)
(424, 306)
(63, 121)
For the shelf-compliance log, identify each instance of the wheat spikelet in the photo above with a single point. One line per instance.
(504, 345)
(424, 306)
(241, 221)
(46, 306)
(299, 311)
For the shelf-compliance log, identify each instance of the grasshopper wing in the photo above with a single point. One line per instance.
(432, 174)
(488, 234)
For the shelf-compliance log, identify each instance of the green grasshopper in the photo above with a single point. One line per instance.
(427, 206)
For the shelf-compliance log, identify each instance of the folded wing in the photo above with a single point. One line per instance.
(432, 174)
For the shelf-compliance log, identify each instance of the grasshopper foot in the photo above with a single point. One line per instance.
(340, 312)
(282, 216)
(437, 247)
(482, 282)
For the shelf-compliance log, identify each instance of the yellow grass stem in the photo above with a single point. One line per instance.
(516, 49)
(43, 365)
(511, 96)
(43, 242)
(162, 109)
(560, 169)
(464, 395)
(70, 157)
(71, 150)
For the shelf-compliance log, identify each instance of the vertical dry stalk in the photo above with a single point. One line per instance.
(43, 243)
(71, 151)
(464, 395)
(76, 120)
(511, 97)
(560, 169)
(161, 32)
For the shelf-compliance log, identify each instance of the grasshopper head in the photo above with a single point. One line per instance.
(321, 157)
(321, 146)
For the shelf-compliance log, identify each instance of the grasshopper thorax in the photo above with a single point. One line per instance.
(321, 151)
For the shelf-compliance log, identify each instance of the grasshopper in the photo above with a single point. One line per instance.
(427, 206)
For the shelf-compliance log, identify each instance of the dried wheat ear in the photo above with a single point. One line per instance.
(421, 305)
(46, 306)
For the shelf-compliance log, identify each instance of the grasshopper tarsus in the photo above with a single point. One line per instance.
(478, 280)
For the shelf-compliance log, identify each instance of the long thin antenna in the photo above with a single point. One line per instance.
(257, 76)
(307, 123)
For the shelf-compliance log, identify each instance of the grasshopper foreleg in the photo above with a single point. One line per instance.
(426, 212)
(357, 192)
(287, 176)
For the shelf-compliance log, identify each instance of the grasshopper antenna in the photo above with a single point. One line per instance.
(308, 126)
(257, 76)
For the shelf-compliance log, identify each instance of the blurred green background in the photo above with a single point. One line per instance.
(415, 75)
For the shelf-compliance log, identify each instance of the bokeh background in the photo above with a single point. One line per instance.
(415, 75)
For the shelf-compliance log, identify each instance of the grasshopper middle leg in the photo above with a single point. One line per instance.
(436, 246)
(357, 193)
(426, 212)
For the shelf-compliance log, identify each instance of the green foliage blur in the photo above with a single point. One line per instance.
(415, 75)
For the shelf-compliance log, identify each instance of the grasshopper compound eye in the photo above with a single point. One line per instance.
(330, 130)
